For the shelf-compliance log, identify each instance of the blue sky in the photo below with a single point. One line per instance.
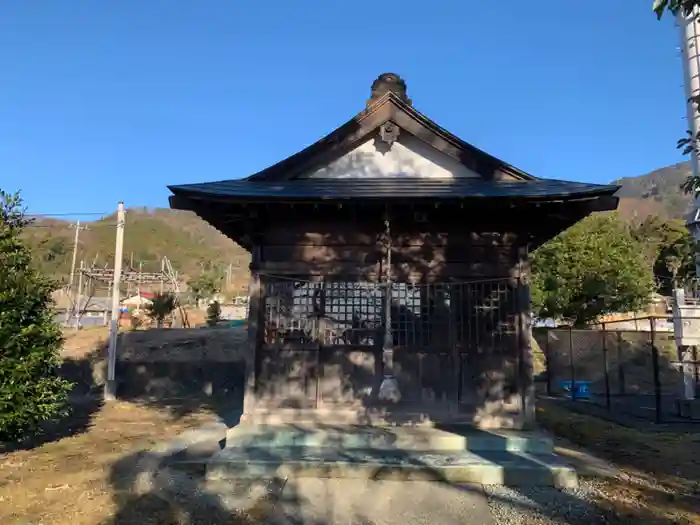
(105, 101)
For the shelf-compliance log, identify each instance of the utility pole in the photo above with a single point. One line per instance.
(78, 303)
(690, 40)
(110, 385)
(71, 302)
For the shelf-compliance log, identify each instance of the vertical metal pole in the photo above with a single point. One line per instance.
(620, 365)
(606, 368)
(548, 363)
(696, 370)
(110, 391)
(655, 365)
(571, 363)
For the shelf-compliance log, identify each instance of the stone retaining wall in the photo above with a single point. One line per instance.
(166, 363)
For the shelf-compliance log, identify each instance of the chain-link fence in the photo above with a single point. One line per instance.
(633, 370)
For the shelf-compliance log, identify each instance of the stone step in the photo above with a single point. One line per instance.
(486, 467)
(357, 437)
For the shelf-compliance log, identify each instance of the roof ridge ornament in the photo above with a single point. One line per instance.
(388, 82)
(389, 133)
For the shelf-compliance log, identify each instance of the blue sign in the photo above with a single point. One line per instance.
(581, 389)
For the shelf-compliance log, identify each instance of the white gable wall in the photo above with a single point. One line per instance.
(408, 157)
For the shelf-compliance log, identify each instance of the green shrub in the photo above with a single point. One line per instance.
(213, 313)
(31, 390)
(162, 305)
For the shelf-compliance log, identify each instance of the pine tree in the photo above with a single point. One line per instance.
(31, 390)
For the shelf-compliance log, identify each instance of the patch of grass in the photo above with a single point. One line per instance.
(72, 480)
(661, 470)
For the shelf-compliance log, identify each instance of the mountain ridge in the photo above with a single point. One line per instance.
(192, 245)
(656, 193)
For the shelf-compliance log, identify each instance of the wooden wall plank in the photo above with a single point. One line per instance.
(350, 235)
(372, 254)
(401, 272)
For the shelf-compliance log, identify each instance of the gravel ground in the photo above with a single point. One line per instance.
(544, 505)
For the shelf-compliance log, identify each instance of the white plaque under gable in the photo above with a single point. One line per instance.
(407, 157)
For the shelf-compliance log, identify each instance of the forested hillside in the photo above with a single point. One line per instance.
(191, 244)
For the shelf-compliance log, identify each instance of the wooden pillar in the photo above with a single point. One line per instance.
(526, 383)
(255, 295)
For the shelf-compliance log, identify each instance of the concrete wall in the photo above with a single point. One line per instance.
(159, 379)
(85, 320)
(166, 363)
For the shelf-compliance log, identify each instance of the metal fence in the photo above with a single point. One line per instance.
(627, 372)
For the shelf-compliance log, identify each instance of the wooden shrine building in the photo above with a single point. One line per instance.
(391, 252)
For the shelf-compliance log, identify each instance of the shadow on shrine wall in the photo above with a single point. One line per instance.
(456, 338)
(480, 375)
(165, 363)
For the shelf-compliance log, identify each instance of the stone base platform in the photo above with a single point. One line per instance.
(449, 455)
(443, 438)
(497, 417)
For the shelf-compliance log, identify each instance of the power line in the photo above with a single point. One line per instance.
(72, 214)
(63, 225)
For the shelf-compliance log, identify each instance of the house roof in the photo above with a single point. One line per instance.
(388, 115)
(388, 106)
(385, 187)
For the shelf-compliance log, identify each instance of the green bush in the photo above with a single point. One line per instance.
(213, 313)
(162, 305)
(31, 390)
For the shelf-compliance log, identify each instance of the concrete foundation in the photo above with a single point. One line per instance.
(452, 455)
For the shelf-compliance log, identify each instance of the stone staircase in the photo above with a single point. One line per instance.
(449, 454)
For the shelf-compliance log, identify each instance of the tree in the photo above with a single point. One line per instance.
(653, 233)
(213, 313)
(594, 268)
(205, 285)
(673, 6)
(31, 389)
(161, 306)
(675, 264)
(670, 251)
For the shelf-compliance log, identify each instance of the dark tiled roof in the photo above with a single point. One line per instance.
(382, 188)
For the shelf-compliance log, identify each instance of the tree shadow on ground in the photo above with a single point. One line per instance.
(171, 488)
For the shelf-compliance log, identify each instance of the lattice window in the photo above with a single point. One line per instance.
(342, 313)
